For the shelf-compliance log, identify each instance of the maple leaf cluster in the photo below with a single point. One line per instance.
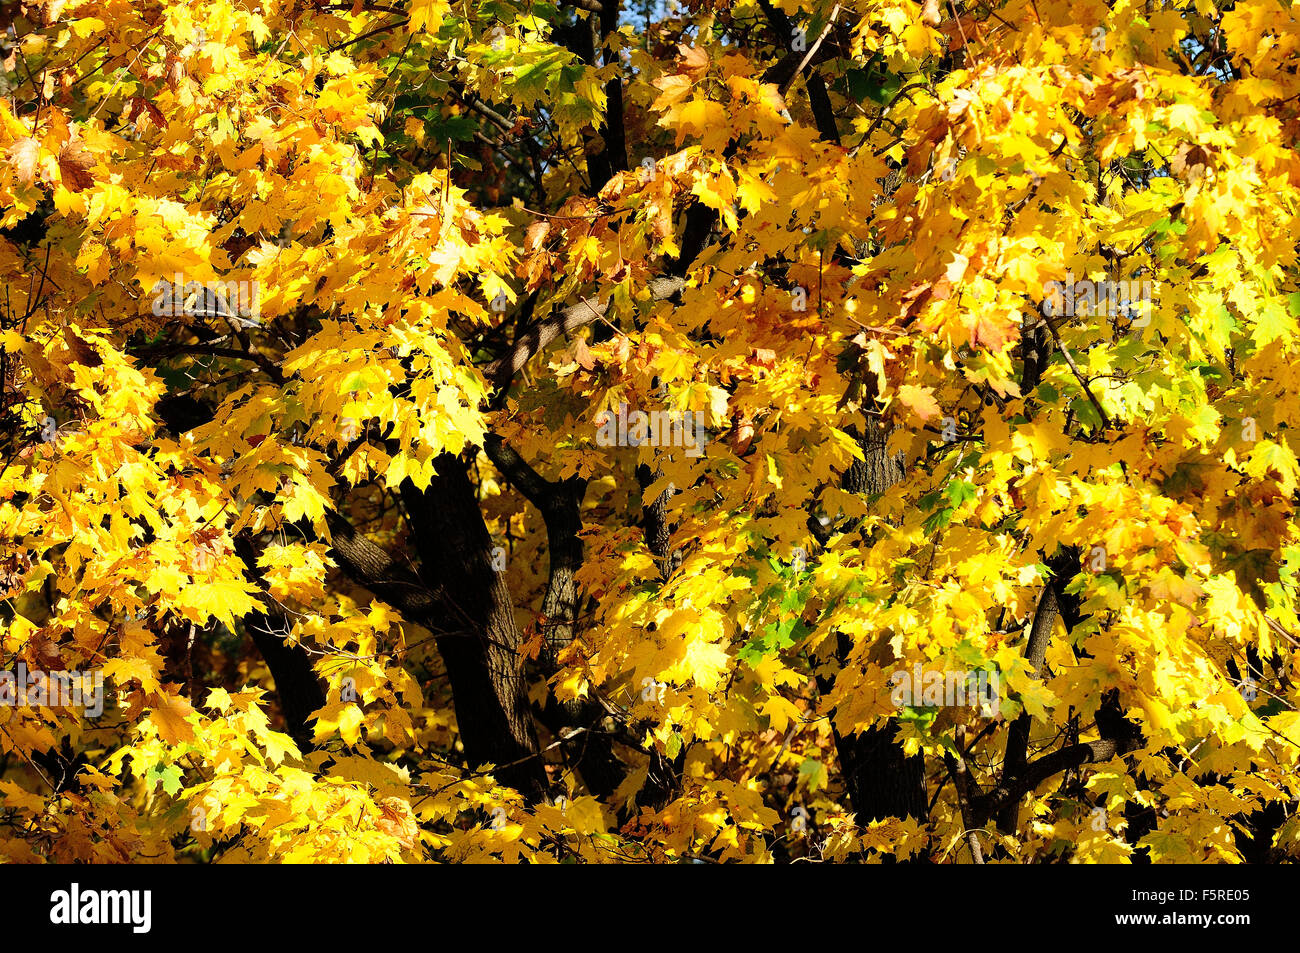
(627, 436)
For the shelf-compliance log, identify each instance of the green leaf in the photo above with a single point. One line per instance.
(169, 777)
(959, 492)
(878, 85)
(1273, 323)
(674, 746)
(812, 773)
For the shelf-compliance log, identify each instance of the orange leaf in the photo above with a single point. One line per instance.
(919, 400)
(170, 716)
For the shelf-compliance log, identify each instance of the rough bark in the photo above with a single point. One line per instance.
(473, 623)
(296, 684)
(560, 503)
(882, 781)
(1017, 755)
(654, 519)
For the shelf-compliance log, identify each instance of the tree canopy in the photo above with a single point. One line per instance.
(577, 430)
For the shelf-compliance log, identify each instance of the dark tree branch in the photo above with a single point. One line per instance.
(964, 784)
(700, 222)
(295, 679)
(538, 490)
(818, 98)
(560, 504)
(270, 367)
(1040, 634)
(487, 668)
(1118, 736)
(370, 566)
(614, 134)
(533, 341)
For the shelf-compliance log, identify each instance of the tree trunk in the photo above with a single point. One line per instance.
(474, 625)
(881, 780)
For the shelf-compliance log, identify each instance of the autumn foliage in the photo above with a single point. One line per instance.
(557, 431)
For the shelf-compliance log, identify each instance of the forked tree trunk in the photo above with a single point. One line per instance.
(474, 624)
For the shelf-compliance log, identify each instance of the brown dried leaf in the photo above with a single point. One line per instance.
(75, 163)
(1190, 162)
(81, 350)
(535, 237)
